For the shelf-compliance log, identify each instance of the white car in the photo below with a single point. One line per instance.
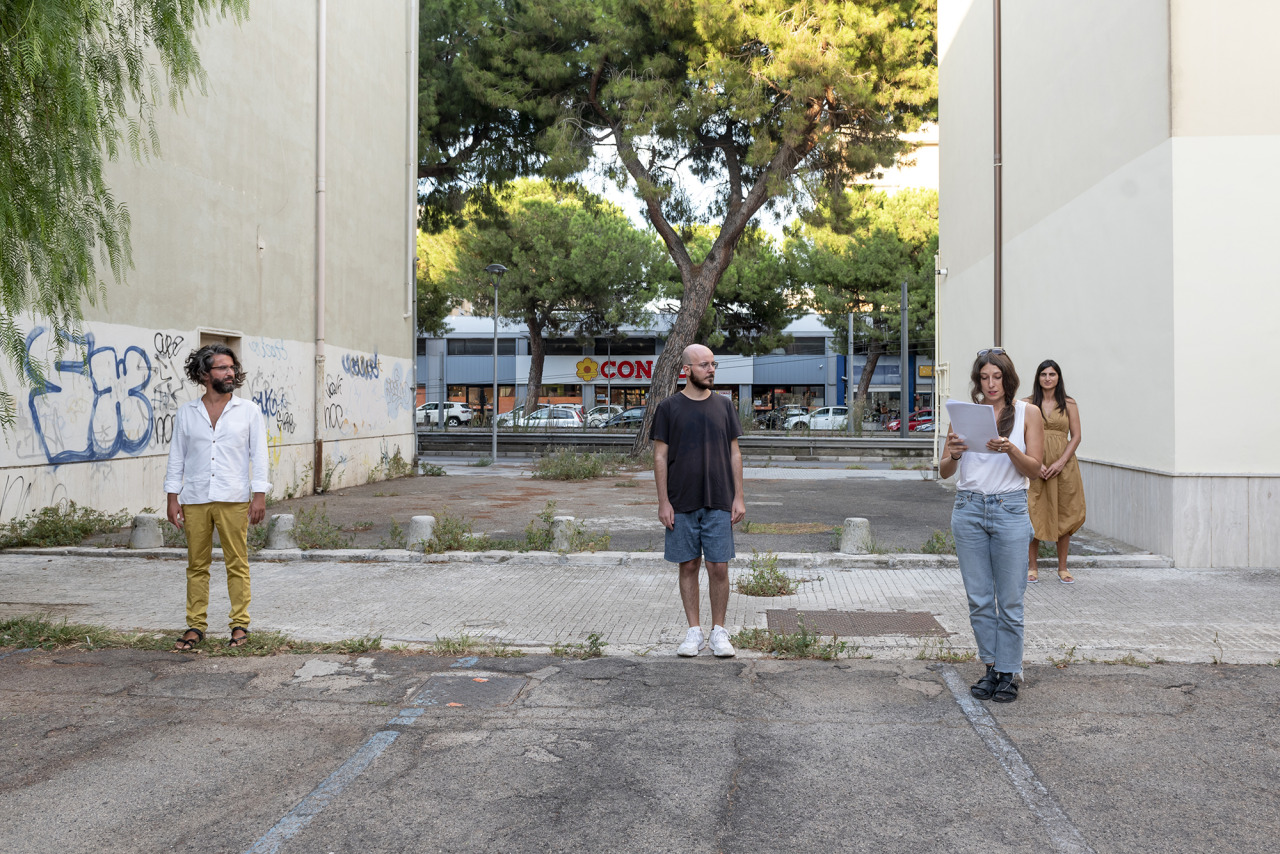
(823, 418)
(454, 413)
(601, 414)
(552, 416)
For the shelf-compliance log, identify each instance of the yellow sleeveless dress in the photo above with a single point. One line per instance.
(1056, 504)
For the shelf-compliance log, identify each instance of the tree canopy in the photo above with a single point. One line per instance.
(716, 108)
(855, 257)
(77, 80)
(576, 266)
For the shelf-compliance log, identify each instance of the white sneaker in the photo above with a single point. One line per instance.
(720, 643)
(692, 642)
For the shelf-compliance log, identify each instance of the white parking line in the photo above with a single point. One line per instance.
(1062, 833)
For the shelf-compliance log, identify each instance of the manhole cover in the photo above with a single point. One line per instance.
(918, 624)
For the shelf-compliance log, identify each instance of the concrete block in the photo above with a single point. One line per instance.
(421, 529)
(146, 533)
(855, 538)
(561, 532)
(280, 532)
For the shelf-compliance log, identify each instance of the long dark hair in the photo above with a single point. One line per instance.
(200, 362)
(1008, 377)
(1059, 393)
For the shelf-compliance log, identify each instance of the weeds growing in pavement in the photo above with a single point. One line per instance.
(481, 463)
(313, 530)
(801, 644)
(396, 538)
(1220, 656)
(593, 648)
(939, 543)
(326, 479)
(174, 537)
(1128, 659)
(765, 579)
(63, 524)
(568, 464)
(450, 534)
(40, 632)
(939, 649)
(390, 468)
(1065, 661)
(258, 536)
(1047, 549)
(431, 470)
(856, 467)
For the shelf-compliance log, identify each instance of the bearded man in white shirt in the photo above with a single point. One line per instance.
(217, 460)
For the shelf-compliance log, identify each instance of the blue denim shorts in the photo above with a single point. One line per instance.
(704, 532)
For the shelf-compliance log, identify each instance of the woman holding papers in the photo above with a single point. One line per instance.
(1056, 497)
(990, 522)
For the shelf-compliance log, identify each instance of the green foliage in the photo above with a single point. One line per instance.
(390, 467)
(855, 253)
(481, 463)
(257, 538)
(396, 538)
(432, 470)
(450, 534)
(568, 464)
(313, 530)
(765, 578)
(64, 524)
(940, 649)
(802, 644)
(593, 648)
(539, 534)
(76, 80)
(939, 543)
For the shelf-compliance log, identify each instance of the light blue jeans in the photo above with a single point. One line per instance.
(992, 533)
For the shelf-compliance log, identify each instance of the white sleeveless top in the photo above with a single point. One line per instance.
(993, 474)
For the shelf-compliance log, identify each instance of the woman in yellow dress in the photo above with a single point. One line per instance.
(1056, 498)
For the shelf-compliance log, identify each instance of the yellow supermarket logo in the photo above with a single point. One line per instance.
(588, 370)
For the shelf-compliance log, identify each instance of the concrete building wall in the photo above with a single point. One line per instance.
(224, 243)
(1134, 251)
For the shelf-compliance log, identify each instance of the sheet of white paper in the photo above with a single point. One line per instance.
(974, 423)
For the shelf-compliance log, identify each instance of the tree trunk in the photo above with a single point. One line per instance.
(666, 371)
(875, 350)
(537, 356)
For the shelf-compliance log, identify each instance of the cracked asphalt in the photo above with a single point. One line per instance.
(128, 751)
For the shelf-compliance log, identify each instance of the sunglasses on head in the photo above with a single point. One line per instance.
(991, 351)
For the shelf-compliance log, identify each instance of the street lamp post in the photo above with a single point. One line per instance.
(495, 270)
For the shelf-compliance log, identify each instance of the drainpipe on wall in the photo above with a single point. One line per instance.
(999, 180)
(321, 56)
(411, 157)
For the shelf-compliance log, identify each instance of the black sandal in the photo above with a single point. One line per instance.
(237, 642)
(1007, 690)
(986, 686)
(186, 644)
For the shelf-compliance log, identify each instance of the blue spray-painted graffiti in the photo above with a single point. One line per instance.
(118, 418)
(365, 367)
(397, 392)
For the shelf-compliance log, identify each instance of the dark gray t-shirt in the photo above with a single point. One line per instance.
(699, 464)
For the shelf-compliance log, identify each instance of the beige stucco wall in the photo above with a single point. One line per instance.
(224, 237)
(1136, 221)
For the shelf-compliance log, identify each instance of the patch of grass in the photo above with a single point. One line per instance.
(395, 538)
(1128, 659)
(1047, 549)
(174, 537)
(385, 494)
(313, 530)
(360, 526)
(40, 632)
(1065, 661)
(449, 535)
(939, 543)
(801, 644)
(765, 578)
(481, 463)
(326, 479)
(909, 465)
(463, 644)
(593, 648)
(258, 535)
(626, 483)
(940, 649)
(63, 524)
(856, 467)
(749, 527)
(568, 464)
(431, 470)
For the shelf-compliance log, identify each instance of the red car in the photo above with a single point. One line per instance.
(914, 420)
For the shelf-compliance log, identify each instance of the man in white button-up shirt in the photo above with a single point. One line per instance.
(217, 460)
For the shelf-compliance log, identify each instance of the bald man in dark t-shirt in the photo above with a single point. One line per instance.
(698, 468)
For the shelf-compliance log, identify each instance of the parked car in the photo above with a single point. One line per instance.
(601, 414)
(454, 413)
(776, 418)
(632, 417)
(914, 420)
(552, 416)
(823, 418)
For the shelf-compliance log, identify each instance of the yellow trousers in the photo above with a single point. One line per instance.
(232, 521)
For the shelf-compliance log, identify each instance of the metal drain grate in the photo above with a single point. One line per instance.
(917, 624)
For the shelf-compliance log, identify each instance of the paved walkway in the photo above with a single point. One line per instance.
(1130, 605)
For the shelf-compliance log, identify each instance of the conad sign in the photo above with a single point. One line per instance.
(589, 370)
